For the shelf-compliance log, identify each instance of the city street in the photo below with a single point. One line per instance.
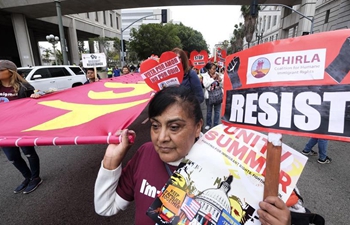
(69, 172)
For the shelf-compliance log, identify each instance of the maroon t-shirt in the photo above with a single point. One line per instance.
(142, 179)
(7, 94)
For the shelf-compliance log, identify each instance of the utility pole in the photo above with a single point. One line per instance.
(163, 20)
(64, 48)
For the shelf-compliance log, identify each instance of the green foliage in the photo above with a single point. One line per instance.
(157, 38)
(191, 39)
(153, 39)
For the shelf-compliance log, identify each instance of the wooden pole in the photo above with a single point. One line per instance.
(95, 73)
(273, 161)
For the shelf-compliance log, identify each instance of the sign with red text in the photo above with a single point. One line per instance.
(167, 71)
(227, 188)
(298, 86)
(94, 60)
(220, 57)
(199, 59)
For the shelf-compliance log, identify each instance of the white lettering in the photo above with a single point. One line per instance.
(336, 117)
(270, 115)
(311, 120)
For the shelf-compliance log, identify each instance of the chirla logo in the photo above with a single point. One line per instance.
(260, 67)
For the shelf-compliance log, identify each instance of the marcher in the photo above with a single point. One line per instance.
(116, 72)
(176, 121)
(125, 70)
(190, 79)
(109, 72)
(212, 80)
(322, 150)
(13, 86)
(90, 75)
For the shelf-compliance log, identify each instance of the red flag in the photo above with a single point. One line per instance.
(82, 115)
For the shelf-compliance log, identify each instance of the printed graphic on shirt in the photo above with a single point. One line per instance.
(148, 189)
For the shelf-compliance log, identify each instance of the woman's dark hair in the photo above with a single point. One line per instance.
(175, 94)
(184, 59)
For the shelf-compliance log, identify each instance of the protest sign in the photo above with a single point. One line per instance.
(199, 59)
(94, 60)
(166, 71)
(298, 86)
(221, 180)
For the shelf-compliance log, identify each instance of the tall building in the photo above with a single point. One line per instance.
(277, 22)
(134, 17)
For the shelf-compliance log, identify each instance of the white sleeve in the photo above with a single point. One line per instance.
(107, 201)
(207, 80)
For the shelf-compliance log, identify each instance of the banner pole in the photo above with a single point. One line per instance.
(273, 161)
(95, 73)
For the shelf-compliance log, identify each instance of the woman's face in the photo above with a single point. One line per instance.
(212, 69)
(90, 74)
(173, 133)
(125, 70)
(5, 74)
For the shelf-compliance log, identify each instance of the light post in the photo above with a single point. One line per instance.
(259, 35)
(163, 20)
(53, 40)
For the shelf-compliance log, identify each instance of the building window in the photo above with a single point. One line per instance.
(111, 19)
(88, 15)
(104, 18)
(117, 22)
(264, 26)
(268, 22)
(96, 16)
(274, 22)
(327, 16)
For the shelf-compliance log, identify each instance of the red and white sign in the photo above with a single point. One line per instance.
(298, 86)
(166, 72)
(200, 59)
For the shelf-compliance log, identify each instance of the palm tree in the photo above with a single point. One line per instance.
(249, 23)
(46, 55)
(237, 39)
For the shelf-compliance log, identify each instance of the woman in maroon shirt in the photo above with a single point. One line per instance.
(176, 122)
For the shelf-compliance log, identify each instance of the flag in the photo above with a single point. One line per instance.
(190, 207)
(86, 114)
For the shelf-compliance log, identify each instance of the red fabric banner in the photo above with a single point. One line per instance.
(86, 114)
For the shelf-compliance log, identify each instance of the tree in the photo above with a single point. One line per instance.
(46, 55)
(153, 39)
(249, 23)
(191, 39)
(237, 39)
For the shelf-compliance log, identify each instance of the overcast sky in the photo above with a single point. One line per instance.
(216, 23)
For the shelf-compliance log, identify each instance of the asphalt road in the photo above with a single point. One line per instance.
(69, 172)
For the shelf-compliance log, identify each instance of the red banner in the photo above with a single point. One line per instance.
(298, 86)
(86, 114)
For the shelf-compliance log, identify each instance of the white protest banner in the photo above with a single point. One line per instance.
(94, 60)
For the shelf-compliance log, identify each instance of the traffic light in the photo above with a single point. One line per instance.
(254, 8)
(164, 16)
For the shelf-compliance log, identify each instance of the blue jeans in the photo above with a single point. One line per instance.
(210, 111)
(14, 155)
(322, 147)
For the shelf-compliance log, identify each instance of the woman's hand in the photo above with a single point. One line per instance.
(116, 152)
(35, 95)
(273, 211)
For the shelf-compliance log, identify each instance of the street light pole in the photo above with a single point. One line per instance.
(53, 40)
(121, 34)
